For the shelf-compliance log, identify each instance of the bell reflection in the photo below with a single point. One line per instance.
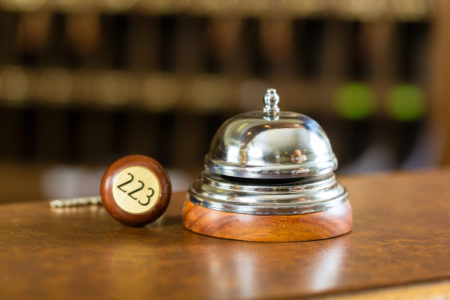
(234, 275)
(328, 264)
(246, 269)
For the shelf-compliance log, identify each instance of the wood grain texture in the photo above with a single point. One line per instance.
(274, 228)
(400, 237)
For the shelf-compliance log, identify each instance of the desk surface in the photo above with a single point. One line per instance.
(401, 236)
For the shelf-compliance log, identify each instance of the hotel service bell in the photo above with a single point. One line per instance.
(269, 176)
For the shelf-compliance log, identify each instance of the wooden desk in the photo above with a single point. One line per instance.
(401, 238)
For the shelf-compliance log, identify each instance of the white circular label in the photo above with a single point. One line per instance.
(136, 189)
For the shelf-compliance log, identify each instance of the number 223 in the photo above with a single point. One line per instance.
(131, 194)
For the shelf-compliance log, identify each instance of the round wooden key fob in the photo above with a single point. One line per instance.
(135, 190)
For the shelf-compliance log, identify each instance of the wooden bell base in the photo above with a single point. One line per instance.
(268, 228)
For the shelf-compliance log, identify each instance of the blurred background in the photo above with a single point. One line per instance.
(83, 83)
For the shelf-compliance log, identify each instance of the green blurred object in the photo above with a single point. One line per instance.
(355, 101)
(406, 102)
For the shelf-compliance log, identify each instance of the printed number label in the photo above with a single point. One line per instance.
(136, 189)
(141, 186)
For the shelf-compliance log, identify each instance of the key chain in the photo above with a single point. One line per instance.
(135, 190)
(72, 202)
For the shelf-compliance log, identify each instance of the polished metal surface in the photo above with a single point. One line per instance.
(269, 162)
(271, 109)
(298, 197)
(270, 144)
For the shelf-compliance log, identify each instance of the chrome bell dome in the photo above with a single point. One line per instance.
(270, 144)
(269, 162)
